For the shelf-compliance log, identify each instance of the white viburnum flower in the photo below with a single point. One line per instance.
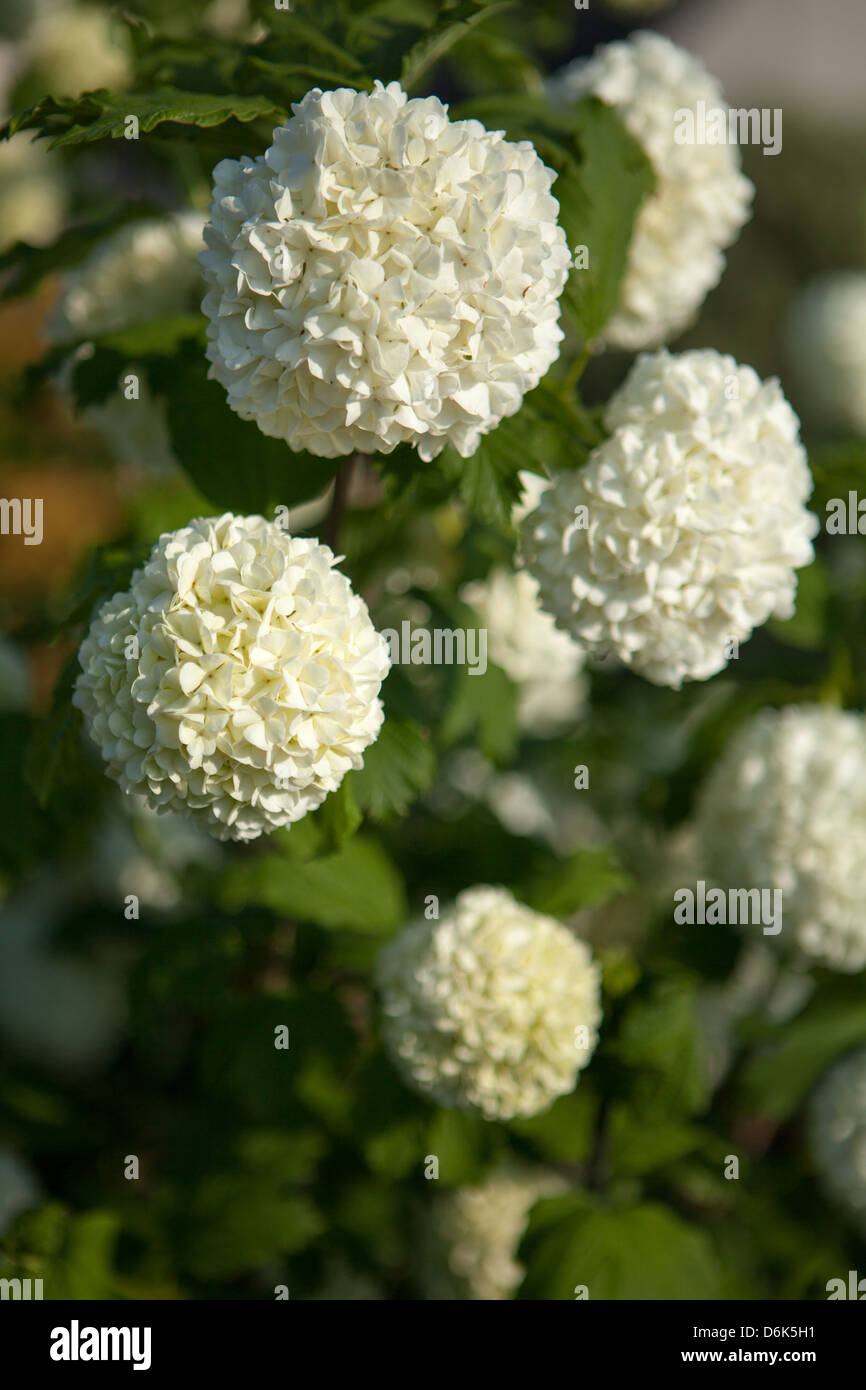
(826, 341)
(32, 193)
(144, 270)
(382, 275)
(544, 663)
(72, 49)
(837, 1134)
(494, 1008)
(701, 199)
(683, 532)
(250, 686)
(481, 1229)
(785, 808)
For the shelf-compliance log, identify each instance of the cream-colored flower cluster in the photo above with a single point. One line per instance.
(701, 199)
(495, 1007)
(75, 48)
(236, 679)
(837, 1133)
(826, 340)
(481, 1229)
(32, 192)
(382, 275)
(683, 532)
(785, 808)
(544, 663)
(144, 270)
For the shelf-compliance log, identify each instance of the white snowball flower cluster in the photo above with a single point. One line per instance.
(144, 270)
(683, 531)
(785, 807)
(482, 1227)
(382, 275)
(251, 685)
(701, 199)
(32, 193)
(495, 1007)
(826, 340)
(837, 1133)
(544, 663)
(72, 49)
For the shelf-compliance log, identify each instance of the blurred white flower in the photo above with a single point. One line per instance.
(701, 199)
(237, 679)
(136, 431)
(72, 49)
(544, 663)
(785, 808)
(837, 1134)
(495, 1007)
(65, 1011)
(382, 275)
(684, 530)
(482, 1227)
(826, 341)
(32, 193)
(144, 270)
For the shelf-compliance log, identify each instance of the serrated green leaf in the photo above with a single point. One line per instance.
(358, 889)
(484, 706)
(102, 115)
(781, 1073)
(397, 768)
(636, 1252)
(588, 878)
(600, 195)
(229, 460)
(455, 23)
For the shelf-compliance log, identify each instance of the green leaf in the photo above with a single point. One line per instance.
(779, 1077)
(588, 878)
(358, 889)
(455, 23)
(599, 199)
(102, 115)
(56, 748)
(635, 1252)
(323, 831)
(659, 1042)
(565, 1133)
(484, 706)
(229, 460)
(238, 1222)
(636, 1146)
(397, 768)
(464, 1144)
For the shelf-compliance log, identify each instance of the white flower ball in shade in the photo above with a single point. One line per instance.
(33, 192)
(493, 1008)
(481, 1229)
(785, 808)
(683, 532)
(826, 340)
(837, 1134)
(544, 663)
(237, 678)
(382, 275)
(77, 48)
(145, 270)
(701, 199)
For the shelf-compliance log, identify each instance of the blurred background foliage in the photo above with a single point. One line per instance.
(153, 1036)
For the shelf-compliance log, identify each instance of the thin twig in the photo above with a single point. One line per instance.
(331, 528)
